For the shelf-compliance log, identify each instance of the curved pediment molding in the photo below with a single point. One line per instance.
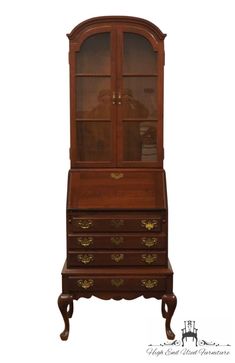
(109, 20)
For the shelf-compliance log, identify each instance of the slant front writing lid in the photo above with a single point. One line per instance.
(117, 189)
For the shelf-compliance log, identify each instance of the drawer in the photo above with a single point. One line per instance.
(117, 241)
(122, 223)
(122, 283)
(114, 258)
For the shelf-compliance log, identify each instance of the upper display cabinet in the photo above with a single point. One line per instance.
(116, 91)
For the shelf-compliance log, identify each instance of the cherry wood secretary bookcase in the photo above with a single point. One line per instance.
(117, 214)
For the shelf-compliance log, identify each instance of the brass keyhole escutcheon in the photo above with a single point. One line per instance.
(117, 282)
(117, 223)
(117, 257)
(117, 240)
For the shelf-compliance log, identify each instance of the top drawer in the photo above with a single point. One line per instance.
(115, 223)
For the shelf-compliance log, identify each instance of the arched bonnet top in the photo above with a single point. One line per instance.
(110, 20)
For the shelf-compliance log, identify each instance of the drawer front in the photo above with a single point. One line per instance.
(78, 224)
(122, 283)
(118, 241)
(116, 258)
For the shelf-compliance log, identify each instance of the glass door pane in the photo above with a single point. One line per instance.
(94, 55)
(139, 97)
(139, 56)
(93, 100)
(93, 97)
(139, 108)
(94, 141)
(139, 141)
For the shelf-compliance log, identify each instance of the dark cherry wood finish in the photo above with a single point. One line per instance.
(132, 189)
(116, 258)
(117, 213)
(107, 241)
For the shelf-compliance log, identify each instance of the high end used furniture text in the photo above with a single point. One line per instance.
(117, 214)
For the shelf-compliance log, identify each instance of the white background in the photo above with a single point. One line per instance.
(199, 161)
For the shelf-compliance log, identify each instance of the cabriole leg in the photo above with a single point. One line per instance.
(170, 301)
(70, 311)
(63, 301)
(163, 310)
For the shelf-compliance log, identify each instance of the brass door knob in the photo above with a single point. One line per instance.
(114, 99)
(119, 98)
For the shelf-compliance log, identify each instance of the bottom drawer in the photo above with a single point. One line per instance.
(143, 283)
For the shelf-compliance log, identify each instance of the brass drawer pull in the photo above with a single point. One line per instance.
(85, 258)
(149, 224)
(85, 241)
(149, 241)
(117, 223)
(149, 284)
(117, 282)
(85, 284)
(117, 176)
(150, 258)
(117, 240)
(85, 223)
(117, 257)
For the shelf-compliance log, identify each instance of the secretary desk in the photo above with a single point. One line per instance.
(117, 214)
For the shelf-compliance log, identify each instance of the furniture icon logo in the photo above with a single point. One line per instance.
(188, 344)
(189, 331)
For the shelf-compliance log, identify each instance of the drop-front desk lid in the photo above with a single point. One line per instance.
(117, 189)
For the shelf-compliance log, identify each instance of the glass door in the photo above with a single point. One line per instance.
(116, 99)
(138, 114)
(94, 113)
